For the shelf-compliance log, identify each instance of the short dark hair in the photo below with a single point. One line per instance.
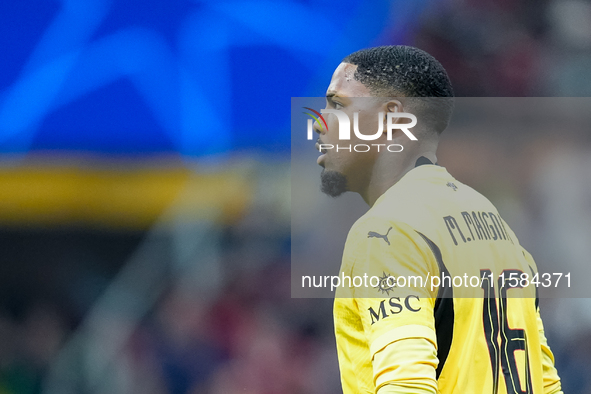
(405, 71)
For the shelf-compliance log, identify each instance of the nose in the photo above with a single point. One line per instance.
(316, 127)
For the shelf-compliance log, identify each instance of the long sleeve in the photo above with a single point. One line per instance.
(406, 366)
(552, 383)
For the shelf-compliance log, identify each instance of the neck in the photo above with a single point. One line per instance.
(386, 173)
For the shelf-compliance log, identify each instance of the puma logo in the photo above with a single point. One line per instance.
(373, 234)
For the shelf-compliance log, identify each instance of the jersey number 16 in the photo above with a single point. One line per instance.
(512, 339)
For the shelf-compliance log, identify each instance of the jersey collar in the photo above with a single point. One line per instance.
(424, 169)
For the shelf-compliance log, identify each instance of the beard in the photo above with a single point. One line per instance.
(333, 183)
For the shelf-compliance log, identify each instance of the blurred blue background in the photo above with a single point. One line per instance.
(187, 77)
(145, 180)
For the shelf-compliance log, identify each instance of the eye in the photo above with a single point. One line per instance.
(334, 104)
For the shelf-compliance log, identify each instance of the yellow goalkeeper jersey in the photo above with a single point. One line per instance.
(437, 297)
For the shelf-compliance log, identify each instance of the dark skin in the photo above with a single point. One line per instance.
(368, 173)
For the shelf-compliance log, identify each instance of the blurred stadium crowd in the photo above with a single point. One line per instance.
(511, 48)
(79, 312)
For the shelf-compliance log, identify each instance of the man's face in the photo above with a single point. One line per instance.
(346, 170)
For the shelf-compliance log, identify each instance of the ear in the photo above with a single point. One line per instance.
(392, 106)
